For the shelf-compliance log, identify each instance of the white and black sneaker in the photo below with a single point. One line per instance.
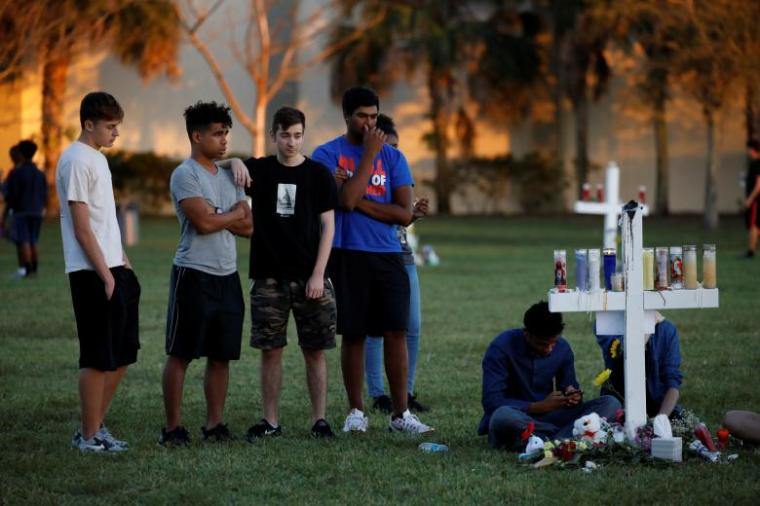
(356, 421)
(410, 424)
(105, 435)
(92, 445)
(262, 429)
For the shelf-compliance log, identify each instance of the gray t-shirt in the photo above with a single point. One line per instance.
(213, 253)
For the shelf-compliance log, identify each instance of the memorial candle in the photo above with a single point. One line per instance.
(560, 270)
(609, 267)
(709, 278)
(661, 280)
(676, 267)
(690, 267)
(581, 270)
(594, 263)
(647, 255)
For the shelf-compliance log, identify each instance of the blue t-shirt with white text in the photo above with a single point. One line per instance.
(355, 230)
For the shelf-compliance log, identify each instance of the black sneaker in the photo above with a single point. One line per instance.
(262, 429)
(383, 403)
(321, 429)
(218, 434)
(749, 254)
(415, 405)
(177, 437)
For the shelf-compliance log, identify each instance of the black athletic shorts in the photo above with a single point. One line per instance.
(205, 317)
(371, 292)
(108, 330)
(752, 216)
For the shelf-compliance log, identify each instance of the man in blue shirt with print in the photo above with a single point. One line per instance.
(371, 284)
(529, 376)
(662, 356)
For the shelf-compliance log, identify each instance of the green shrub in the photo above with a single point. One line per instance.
(536, 178)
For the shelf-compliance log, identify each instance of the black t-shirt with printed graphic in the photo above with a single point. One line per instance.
(286, 204)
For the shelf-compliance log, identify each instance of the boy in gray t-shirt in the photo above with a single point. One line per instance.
(212, 253)
(206, 309)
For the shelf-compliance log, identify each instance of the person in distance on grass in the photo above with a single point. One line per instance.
(529, 377)
(26, 193)
(373, 353)
(371, 284)
(663, 374)
(206, 309)
(752, 200)
(293, 201)
(15, 155)
(104, 289)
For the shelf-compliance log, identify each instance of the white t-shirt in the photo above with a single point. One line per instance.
(82, 175)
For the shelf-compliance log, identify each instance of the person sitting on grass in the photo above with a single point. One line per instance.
(662, 361)
(744, 425)
(529, 377)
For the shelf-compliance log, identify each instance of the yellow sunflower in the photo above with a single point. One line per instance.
(614, 348)
(602, 378)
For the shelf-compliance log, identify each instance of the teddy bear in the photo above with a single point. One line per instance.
(589, 429)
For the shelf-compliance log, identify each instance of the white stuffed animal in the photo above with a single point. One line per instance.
(535, 444)
(589, 428)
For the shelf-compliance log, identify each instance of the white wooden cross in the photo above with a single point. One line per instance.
(632, 313)
(611, 206)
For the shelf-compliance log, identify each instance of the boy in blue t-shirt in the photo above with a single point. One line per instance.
(371, 284)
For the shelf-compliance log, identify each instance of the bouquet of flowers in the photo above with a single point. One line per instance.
(604, 444)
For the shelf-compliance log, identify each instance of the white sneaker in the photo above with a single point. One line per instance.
(409, 423)
(115, 445)
(87, 445)
(356, 422)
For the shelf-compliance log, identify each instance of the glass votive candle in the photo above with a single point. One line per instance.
(709, 274)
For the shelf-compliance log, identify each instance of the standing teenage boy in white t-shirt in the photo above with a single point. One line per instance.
(104, 290)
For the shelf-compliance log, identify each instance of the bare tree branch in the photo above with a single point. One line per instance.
(216, 71)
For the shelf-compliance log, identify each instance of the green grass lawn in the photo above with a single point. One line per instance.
(491, 271)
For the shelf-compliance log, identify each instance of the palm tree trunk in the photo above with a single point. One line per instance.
(711, 189)
(54, 76)
(581, 143)
(561, 116)
(443, 183)
(662, 163)
(752, 112)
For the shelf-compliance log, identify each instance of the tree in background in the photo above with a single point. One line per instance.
(276, 48)
(653, 26)
(581, 31)
(712, 62)
(139, 33)
(426, 36)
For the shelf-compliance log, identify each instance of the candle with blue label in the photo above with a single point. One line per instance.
(609, 266)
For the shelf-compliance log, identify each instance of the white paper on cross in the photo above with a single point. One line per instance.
(611, 206)
(632, 313)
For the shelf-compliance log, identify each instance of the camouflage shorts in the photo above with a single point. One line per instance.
(271, 302)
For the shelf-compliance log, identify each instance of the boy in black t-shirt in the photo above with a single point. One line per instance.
(293, 201)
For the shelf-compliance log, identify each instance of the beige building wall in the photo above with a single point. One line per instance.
(153, 121)
(20, 110)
